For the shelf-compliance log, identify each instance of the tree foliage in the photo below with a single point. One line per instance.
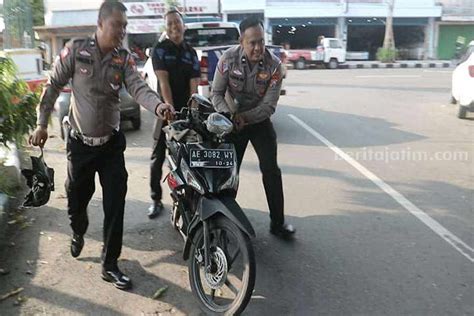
(37, 8)
(17, 110)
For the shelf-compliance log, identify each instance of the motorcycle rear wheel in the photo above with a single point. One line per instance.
(227, 288)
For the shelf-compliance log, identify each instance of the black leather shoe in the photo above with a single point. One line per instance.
(77, 243)
(115, 276)
(285, 231)
(155, 209)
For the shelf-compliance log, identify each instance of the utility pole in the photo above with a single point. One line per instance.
(389, 41)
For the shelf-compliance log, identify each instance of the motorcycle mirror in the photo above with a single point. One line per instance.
(201, 100)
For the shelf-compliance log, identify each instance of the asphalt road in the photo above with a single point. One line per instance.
(378, 176)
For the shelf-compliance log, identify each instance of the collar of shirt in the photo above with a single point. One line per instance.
(93, 44)
(181, 46)
(245, 64)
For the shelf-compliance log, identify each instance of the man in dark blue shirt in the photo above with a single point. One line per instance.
(177, 68)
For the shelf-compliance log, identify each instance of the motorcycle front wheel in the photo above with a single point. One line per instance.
(226, 285)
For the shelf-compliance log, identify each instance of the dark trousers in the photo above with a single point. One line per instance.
(108, 161)
(263, 138)
(157, 159)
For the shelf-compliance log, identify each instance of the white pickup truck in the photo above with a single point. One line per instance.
(210, 40)
(330, 52)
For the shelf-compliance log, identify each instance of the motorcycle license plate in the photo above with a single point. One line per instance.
(211, 158)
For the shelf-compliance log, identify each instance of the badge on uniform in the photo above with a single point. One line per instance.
(263, 75)
(117, 60)
(85, 53)
(237, 72)
(84, 71)
(115, 86)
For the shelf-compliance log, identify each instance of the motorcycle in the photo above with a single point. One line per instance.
(203, 180)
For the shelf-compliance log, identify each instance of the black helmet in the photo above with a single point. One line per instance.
(41, 181)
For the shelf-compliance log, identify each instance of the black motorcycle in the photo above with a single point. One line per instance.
(203, 180)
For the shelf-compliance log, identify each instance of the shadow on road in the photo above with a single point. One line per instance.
(342, 129)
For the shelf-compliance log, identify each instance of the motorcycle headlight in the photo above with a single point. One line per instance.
(190, 178)
(219, 124)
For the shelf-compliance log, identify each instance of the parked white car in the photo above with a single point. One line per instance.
(203, 36)
(210, 40)
(462, 89)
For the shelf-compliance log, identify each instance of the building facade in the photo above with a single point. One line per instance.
(69, 19)
(456, 24)
(423, 29)
(360, 24)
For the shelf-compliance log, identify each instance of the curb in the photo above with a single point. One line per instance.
(3, 215)
(378, 65)
(12, 170)
(395, 65)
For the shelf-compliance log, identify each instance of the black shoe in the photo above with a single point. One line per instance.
(77, 243)
(285, 231)
(115, 276)
(155, 209)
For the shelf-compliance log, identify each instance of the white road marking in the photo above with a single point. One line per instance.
(439, 71)
(389, 76)
(449, 237)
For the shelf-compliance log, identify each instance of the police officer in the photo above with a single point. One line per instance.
(247, 85)
(177, 68)
(98, 67)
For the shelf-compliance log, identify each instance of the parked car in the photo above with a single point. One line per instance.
(330, 52)
(129, 109)
(462, 90)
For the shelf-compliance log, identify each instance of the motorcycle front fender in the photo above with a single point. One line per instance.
(208, 207)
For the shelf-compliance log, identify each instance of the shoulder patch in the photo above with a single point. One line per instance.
(132, 63)
(159, 52)
(275, 79)
(223, 67)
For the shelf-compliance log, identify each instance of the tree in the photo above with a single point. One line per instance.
(17, 113)
(388, 52)
(37, 7)
(389, 41)
(18, 24)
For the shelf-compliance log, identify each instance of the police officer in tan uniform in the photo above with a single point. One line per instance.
(247, 85)
(98, 67)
